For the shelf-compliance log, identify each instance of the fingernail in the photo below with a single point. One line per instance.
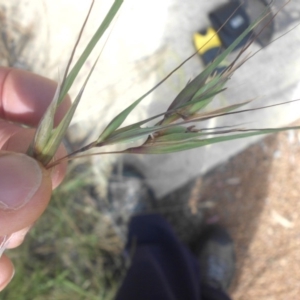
(4, 241)
(21, 177)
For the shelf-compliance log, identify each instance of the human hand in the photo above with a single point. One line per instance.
(25, 185)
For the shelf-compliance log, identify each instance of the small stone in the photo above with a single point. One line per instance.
(277, 154)
(233, 181)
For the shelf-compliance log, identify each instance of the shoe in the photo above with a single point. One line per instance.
(216, 257)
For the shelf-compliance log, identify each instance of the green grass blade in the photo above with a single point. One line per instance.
(220, 111)
(117, 121)
(176, 137)
(176, 147)
(129, 133)
(128, 136)
(137, 132)
(203, 118)
(199, 81)
(189, 91)
(200, 101)
(89, 48)
(214, 86)
(175, 129)
(44, 128)
(186, 95)
(59, 132)
(138, 124)
(134, 132)
(197, 88)
(121, 117)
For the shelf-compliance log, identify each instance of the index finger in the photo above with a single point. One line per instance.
(24, 97)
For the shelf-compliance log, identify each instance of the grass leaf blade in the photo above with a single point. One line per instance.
(45, 127)
(59, 132)
(192, 88)
(89, 48)
(176, 147)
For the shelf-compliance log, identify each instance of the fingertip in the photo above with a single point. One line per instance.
(25, 191)
(20, 141)
(7, 271)
(17, 238)
(26, 96)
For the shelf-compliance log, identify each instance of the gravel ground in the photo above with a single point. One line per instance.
(256, 196)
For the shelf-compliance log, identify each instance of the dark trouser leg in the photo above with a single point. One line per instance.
(162, 268)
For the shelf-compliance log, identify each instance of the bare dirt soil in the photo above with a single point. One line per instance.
(256, 195)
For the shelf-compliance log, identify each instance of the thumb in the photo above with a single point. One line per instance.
(25, 191)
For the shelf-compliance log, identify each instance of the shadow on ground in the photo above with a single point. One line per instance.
(234, 194)
(238, 192)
